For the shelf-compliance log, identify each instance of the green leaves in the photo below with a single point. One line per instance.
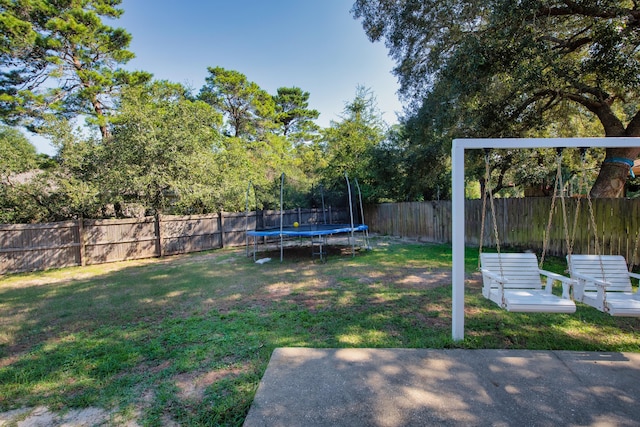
(67, 46)
(16, 152)
(162, 148)
(348, 144)
(293, 114)
(247, 108)
(496, 68)
(15, 34)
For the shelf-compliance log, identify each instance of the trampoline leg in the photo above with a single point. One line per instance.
(318, 243)
(255, 247)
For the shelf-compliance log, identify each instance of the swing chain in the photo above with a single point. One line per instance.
(635, 252)
(565, 222)
(581, 185)
(592, 222)
(487, 175)
(547, 234)
(495, 229)
(493, 212)
(559, 188)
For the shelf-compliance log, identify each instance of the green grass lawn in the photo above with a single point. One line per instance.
(187, 339)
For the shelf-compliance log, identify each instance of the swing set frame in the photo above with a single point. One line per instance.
(458, 202)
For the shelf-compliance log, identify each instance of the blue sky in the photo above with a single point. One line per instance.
(312, 44)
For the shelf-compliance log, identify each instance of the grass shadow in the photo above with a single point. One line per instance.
(187, 339)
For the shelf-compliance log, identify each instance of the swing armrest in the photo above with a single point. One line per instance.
(488, 284)
(600, 301)
(556, 276)
(634, 275)
(566, 282)
(583, 277)
(636, 294)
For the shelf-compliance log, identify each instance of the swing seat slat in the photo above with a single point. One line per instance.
(603, 282)
(513, 281)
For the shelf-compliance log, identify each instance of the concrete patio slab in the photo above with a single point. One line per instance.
(421, 387)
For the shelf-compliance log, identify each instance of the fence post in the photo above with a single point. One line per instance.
(221, 226)
(158, 235)
(81, 240)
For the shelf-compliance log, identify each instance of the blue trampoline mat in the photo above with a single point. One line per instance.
(309, 230)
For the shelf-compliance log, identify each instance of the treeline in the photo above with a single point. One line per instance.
(171, 152)
(129, 145)
(153, 146)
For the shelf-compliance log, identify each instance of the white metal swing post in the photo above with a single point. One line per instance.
(458, 206)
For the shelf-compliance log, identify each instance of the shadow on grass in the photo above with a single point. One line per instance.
(188, 339)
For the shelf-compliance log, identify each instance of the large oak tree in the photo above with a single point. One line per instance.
(165, 151)
(503, 68)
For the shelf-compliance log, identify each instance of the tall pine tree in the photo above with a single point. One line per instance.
(60, 58)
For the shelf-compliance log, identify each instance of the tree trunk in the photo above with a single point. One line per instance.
(614, 172)
(618, 162)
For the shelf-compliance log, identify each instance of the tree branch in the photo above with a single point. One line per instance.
(537, 96)
(573, 8)
(633, 128)
(613, 127)
(568, 45)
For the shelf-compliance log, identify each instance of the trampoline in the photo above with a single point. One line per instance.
(308, 230)
(318, 233)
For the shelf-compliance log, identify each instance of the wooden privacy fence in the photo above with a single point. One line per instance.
(32, 247)
(521, 224)
(430, 221)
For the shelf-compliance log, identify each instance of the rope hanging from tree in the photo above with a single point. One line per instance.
(622, 161)
(635, 252)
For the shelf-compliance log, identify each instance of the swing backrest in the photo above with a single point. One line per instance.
(520, 269)
(614, 267)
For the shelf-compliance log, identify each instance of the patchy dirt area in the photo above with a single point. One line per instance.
(26, 280)
(192, 385)
(300, 283)
(42, 417)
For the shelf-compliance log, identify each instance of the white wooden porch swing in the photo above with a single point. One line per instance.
(604, 281)
(513, 280)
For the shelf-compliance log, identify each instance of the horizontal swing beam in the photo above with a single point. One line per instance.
(458, 206)
(478, 143)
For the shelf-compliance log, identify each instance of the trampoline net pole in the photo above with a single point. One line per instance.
(246, 221)
(324, 214)
(365, 233)
(353, 243)
(281, 214)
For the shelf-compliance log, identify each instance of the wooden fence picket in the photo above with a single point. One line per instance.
(521, 224)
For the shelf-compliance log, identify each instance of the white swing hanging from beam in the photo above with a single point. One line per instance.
(604, 281)
(458, 205)
(513, 280)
